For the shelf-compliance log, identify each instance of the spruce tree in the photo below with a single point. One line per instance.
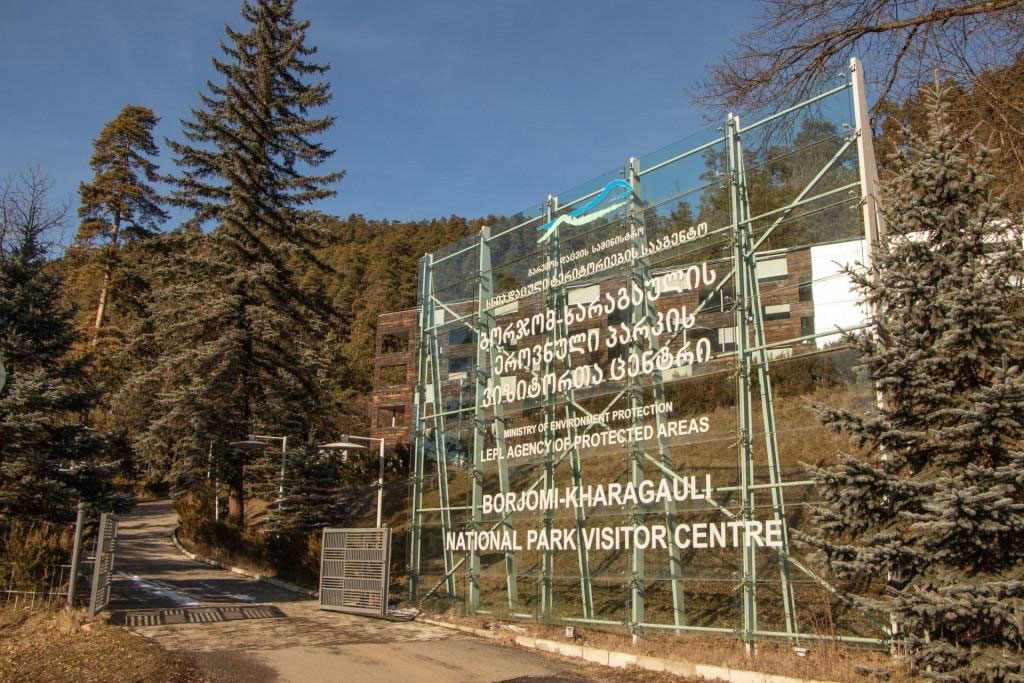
(929, 518)
(312, 499)
(233, 332)
(48, 459)
(120, 204)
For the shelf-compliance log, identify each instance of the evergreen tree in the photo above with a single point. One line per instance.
(930, 519)
(119, 203)
(233, 332)
(312, 498)
(48, 459)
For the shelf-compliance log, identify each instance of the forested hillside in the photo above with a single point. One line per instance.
(365, 268)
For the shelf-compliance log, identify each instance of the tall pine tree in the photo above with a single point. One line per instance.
(933, 515)
(48, 459)
(120, 204)
(233, 333)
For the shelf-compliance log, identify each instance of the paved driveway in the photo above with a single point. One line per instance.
(246, 630)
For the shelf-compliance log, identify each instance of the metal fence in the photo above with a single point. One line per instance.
(47, 589)
(32, 583)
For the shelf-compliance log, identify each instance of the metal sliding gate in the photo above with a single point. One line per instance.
(355, 570)
(103, 565)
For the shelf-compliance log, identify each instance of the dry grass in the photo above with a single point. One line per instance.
(46, 645)
(595, 673)
(711, 600)
(227, 556)
(825, 660)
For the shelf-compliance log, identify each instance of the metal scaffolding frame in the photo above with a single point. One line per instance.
(555, 299)
(752, 363)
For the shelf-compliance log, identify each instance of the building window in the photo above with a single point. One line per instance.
(807, 326)
(722, 299)
(776, 312)
(696, 334)
(459, 365)
(461, 335)
(674, 281)
(774, 268)
(453, 401)
(727, 339)
(389, 375)
(619, 316)
(584, 295)
(390, 416)
(506, 384)
(393, 342)
(618, 351)
(507, 309)
(806, 289)
(672, 374)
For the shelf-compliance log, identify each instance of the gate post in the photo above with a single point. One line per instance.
(76, 556)
(745, 459)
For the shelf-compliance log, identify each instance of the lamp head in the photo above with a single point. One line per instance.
(341, 445)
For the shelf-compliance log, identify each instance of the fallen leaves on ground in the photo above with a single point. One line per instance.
(47, 645)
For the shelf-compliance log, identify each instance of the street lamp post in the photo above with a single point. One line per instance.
(345, 445)
(284, 462)
(253, 444)
(216, 483)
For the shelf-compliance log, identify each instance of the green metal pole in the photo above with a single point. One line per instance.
(557, 301)
(419, 436)
(764, 382)
(481, 373)
(440, 447)
(635, 455)
(745, 454)
(485, 363)
(641, 277)
(550, 401)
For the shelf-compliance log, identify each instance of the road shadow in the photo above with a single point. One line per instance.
(134, 592)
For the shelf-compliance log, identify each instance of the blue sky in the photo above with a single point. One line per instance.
(443, 107)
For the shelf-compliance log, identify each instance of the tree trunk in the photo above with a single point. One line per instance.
(101, 307)
(108, 271)
(236, 497)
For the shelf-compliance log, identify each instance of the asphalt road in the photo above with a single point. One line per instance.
(240, 629)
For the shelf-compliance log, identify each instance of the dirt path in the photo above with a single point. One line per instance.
(245, 630)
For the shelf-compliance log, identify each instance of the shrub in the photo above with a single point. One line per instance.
(30, 554)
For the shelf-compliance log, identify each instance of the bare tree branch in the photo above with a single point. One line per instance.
(801, 42)
(27, 210)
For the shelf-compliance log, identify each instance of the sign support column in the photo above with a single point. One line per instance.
(745, 455)
(485, 363)
(755, 311)
(419, 434)
(440, 446)
(641, 278)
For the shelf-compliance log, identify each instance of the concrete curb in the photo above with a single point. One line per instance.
(622, 660)
(238, 570)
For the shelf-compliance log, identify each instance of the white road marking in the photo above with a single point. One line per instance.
(160, 590)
